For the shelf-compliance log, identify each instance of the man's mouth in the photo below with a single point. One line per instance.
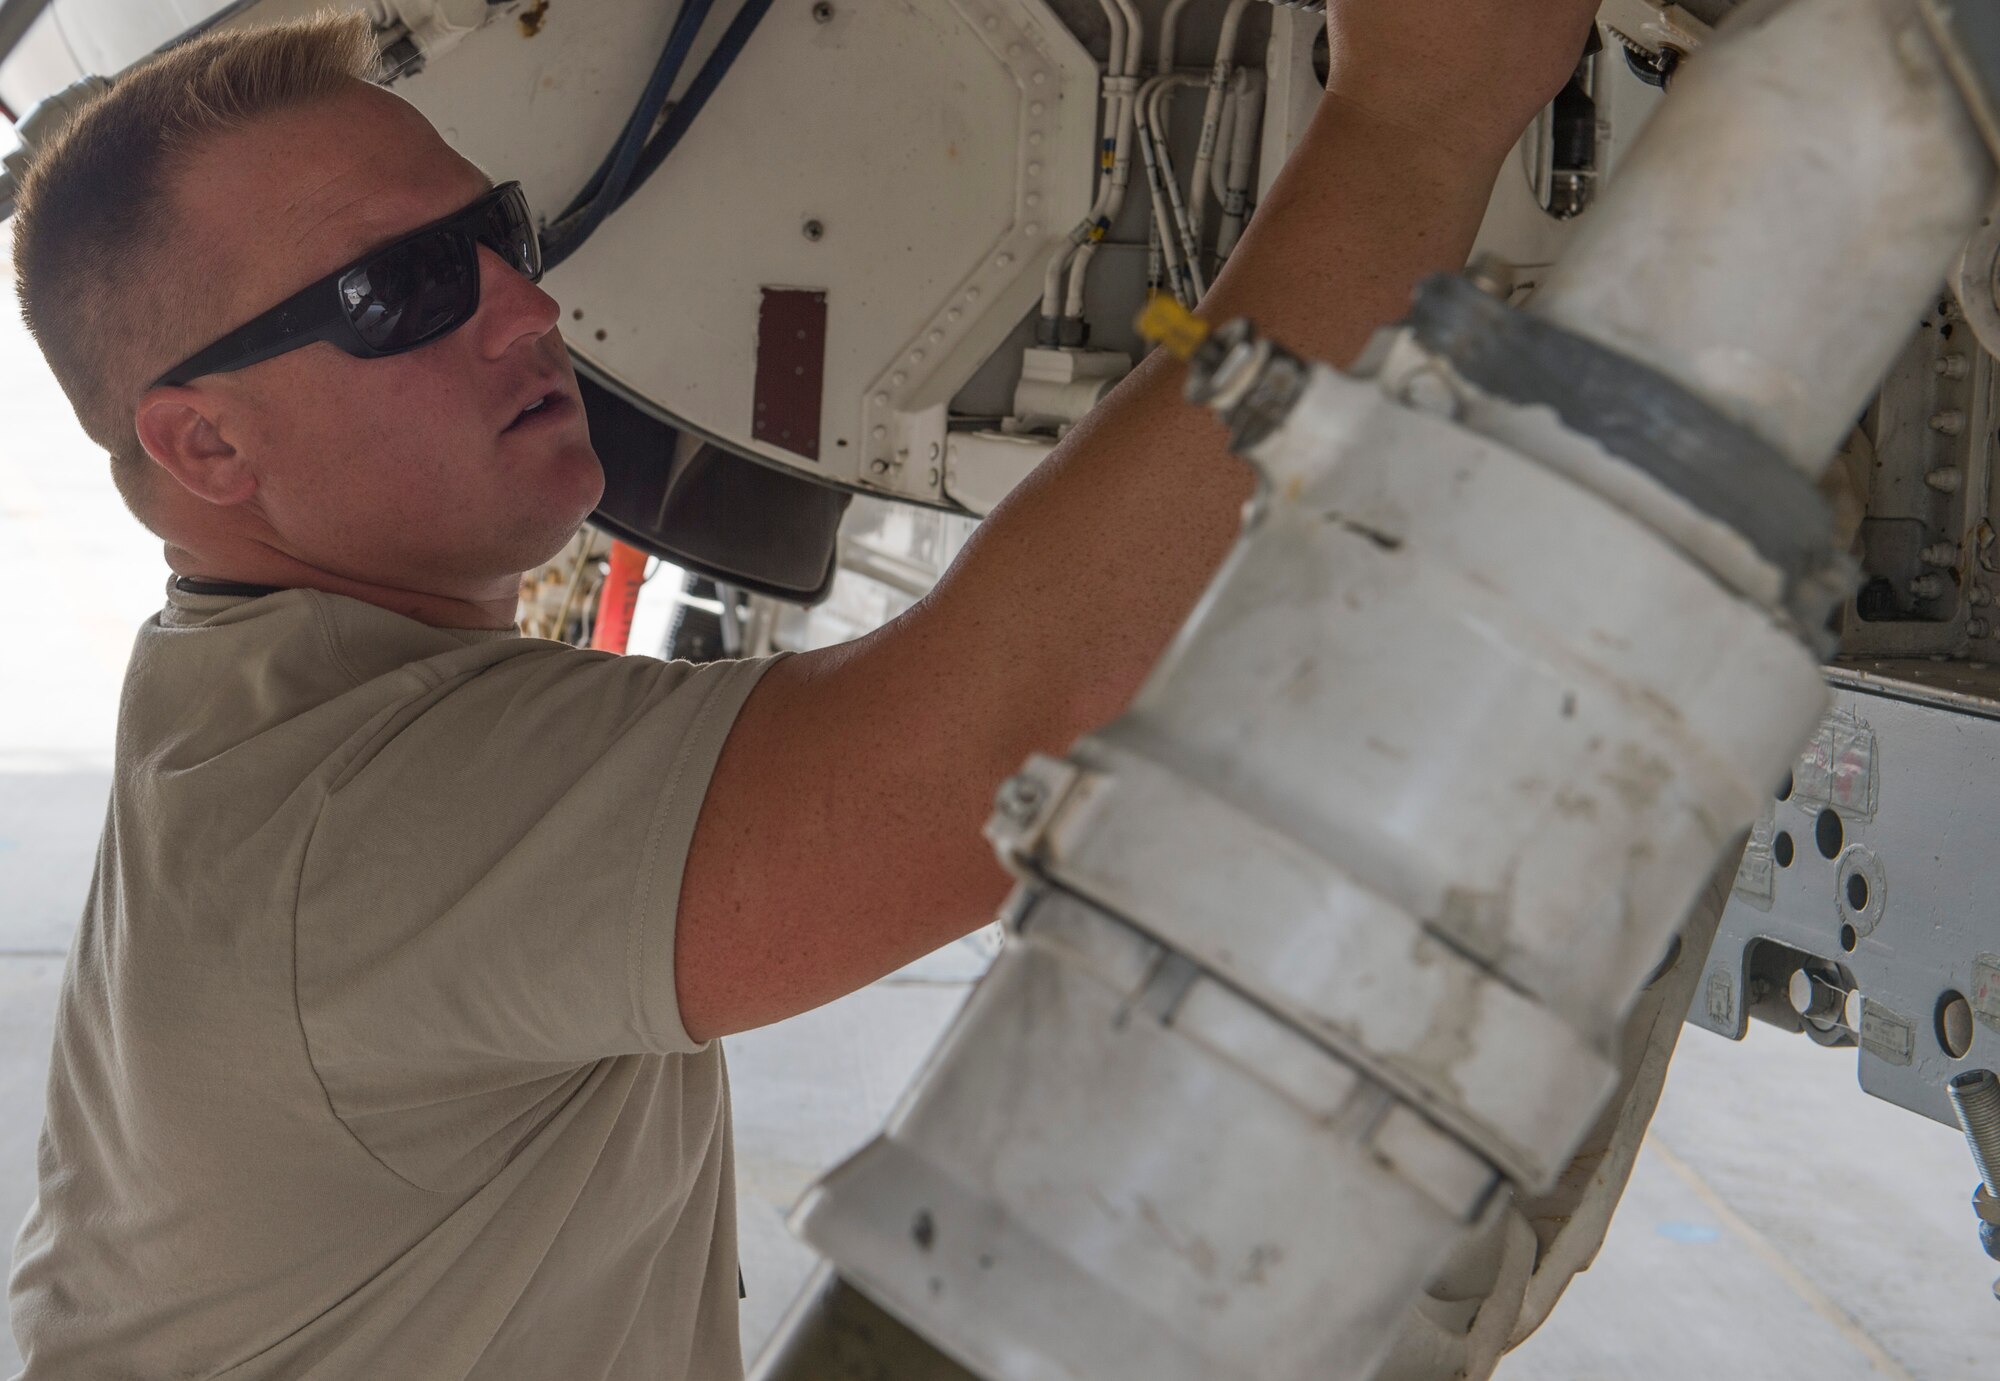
(550, 405)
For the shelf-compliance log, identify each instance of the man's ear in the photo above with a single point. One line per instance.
(177, 427)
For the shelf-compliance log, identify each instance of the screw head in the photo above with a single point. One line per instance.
(813, 230)
(822, 12)
(1019, 800)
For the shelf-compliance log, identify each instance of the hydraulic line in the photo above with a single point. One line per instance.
(1211, 116)
(1115, 149)
(1169, 215)
(1242, 159)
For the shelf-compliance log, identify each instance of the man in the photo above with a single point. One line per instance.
(388, 1044)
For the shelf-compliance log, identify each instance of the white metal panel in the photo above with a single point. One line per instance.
(940, 145)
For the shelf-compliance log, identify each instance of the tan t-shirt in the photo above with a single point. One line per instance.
(368, 1062)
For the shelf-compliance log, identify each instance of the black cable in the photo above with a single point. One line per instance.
(563, 238)
(727, 49)
(605, 190)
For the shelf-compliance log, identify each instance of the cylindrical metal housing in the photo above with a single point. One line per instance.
(1773, 236)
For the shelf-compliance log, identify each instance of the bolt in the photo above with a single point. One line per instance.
(1979, 595)
(1020, 799)
(1813, 999)
(1950, 422)
(1946, 480)
(1943, 554)
(813, 230)
(1952, 366)
(1975, 1097)
(1927, 587)
(822, 12)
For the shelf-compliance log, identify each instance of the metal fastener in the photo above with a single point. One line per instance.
(813, 230)
(822, 12)
(1927, 587)
(1946, 479)
(878, 466)
(1977, 628)
(1950, 422)
(1019, 799)
(1952, 366)
(1814, 999)
(1975, 1097)
(1943, 554)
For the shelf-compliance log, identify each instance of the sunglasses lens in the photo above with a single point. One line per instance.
(411, 292)
(508, 229)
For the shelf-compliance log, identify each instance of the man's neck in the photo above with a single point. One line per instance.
(270, 569)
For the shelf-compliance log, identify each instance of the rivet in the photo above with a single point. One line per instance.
(1003, 260)
(878, 466)
(1035, 107)
(1033, 199)
(1039, 78)
(1034, 139)
(916, 357)
(972, 294)
(897, 378)
(878, 432)
(881, 400)
(1034, 170)
(1013, 50)
(934, 337)
(953, 315)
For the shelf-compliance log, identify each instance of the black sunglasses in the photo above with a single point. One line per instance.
(396, 298)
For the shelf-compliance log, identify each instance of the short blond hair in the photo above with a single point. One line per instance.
(95, 225)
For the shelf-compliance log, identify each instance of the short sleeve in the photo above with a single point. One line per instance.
(487, 901)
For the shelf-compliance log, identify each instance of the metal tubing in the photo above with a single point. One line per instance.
(1774, 235)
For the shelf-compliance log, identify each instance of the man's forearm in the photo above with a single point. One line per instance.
(841, 834)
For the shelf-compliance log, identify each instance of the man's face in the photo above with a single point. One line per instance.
(416, 471)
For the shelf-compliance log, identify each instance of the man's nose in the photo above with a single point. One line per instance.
(510, 307)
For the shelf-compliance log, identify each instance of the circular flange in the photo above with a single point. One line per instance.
(1860, 886)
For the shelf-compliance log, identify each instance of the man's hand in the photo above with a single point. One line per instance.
(1468, 74)
(841, 834)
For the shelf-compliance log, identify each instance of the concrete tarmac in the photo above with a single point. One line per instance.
(1781, 1224)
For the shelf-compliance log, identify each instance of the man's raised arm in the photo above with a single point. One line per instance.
(841, 837)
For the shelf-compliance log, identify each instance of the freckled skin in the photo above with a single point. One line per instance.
(389, 479)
